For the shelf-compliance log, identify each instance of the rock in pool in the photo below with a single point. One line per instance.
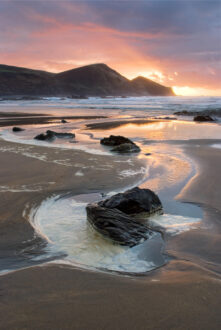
(120, 144)
(203, 118)
(17, 129)
(51, 135)
(119, 217)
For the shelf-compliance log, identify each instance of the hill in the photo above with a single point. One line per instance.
(90, 80)
(147, 86)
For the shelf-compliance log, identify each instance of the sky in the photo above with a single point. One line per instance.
(176, 43)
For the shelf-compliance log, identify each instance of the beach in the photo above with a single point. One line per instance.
(45, 284)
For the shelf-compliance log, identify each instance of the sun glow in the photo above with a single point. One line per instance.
(153, 75)
(190, 91)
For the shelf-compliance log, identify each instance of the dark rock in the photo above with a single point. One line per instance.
(116, 225)
(117, 217)
(126, 147)
(51, 135)
(115, 140)
(184, 113)
(61, 135)
(208, 112)
(17, 129)
(166, 118)
(148, 154)
(63, 121)
(120, 143)
(203, 118)
(134, 201)
(78, 97)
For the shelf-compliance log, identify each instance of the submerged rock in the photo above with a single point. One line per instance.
(117, 217)
(51, 135)
(120, 143)
(17, 129)
(203, 118)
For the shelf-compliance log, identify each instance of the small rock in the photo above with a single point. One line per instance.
(63, 121)
(203, 118)
(45, 137)
(17, 129)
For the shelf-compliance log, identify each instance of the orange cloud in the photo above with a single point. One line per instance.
(57, 45)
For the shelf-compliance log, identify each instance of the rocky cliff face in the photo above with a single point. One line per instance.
(90, 80)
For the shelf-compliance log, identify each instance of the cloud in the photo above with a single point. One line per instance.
(132, 36)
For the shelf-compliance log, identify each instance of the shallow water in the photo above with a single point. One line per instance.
(62, 221)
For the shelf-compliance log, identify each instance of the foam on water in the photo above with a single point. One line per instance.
(62, 221)
(217, 146)
(130, 172)
(130, 106)
(11, 137)
(174, 224)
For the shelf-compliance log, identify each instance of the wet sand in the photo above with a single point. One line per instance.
(15, 118)
(59, 297)
(184, 294)
(118, 123)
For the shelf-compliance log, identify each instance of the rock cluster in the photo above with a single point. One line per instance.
(120, 144)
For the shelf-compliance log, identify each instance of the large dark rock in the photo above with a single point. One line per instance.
(116, 225)
(63, 121)
(120, 143)
(134, 201)
(117, 217)
(17, 129)
(51, 135)
(203, 118)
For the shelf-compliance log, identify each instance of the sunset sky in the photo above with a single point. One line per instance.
(176, 43)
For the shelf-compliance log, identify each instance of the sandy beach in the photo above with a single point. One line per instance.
(44, 293)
